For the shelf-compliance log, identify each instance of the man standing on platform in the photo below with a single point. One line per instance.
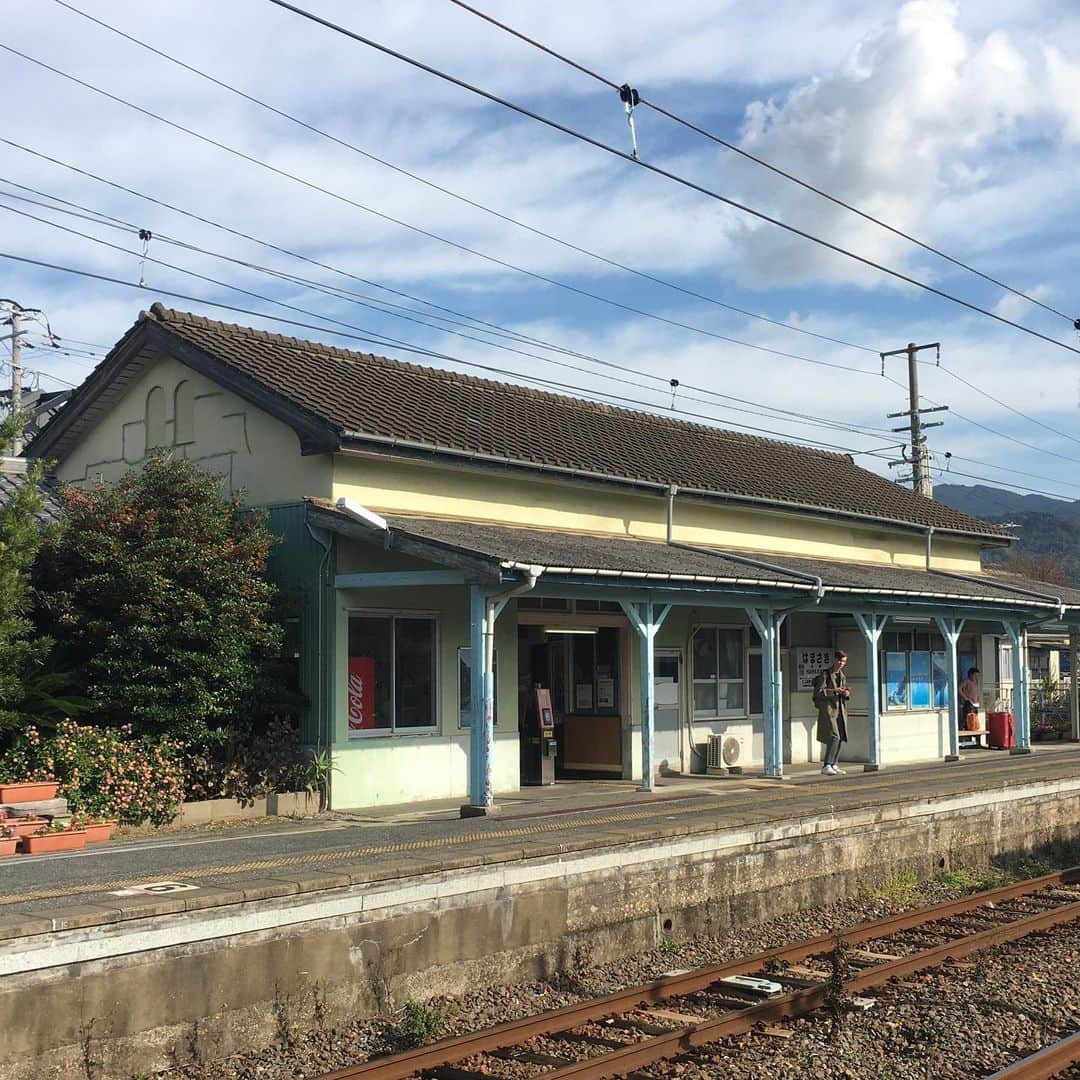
(969, 695)
(831, 696)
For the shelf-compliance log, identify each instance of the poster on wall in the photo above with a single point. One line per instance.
(809, 664)
(583, 696)
(361, 694)
(605, 693)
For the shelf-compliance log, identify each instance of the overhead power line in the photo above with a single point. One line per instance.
(772, 413)
(370, 338)
(995, 432)
(735, 148)
(494, 259)
(1004, 404)
(509, 219)
(659, 171)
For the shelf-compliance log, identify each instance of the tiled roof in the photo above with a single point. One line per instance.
(603, 557)
(365, 398)
(51, 508)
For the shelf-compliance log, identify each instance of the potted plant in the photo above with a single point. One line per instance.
(54, 837)
(96, 831)
(8, 841)
(24, 826)
(29, 791)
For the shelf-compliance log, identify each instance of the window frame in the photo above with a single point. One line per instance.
(436, 705)
(740, 713)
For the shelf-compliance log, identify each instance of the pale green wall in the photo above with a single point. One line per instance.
(248, 447)
(376, 770)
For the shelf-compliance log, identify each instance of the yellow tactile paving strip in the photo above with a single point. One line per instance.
(317, 857)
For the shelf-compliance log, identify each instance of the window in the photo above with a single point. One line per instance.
(594, 671)
(916, 669)
(155, 418)
(391, 680)
(542, 603)
(919, 679)
(719, 683)
(183, 413)
(464, 655)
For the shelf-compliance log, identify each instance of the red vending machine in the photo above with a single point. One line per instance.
(1001, 733)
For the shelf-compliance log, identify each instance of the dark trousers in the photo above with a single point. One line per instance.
(832, 749)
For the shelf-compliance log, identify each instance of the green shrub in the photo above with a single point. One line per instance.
(420, 1024)
(103, 772)
(155, 592)
(247, 762)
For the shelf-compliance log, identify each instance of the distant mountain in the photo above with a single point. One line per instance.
(1046, 529)
(993, 504)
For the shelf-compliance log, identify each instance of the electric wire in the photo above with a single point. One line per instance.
(56, 161)
(495, 260)
(796, 418)
(382, 340)
(1005, 405)
(509, 219)
(735, 148)
(494, 327)
(660, 171)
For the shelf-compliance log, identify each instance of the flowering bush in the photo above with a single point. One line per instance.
(103, 772)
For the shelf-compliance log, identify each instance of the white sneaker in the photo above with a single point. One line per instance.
(837, 771)
(828, 770)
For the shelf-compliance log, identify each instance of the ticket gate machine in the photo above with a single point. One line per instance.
(538, 746)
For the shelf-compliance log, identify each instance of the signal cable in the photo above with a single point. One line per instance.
(798, 418)
(735, 148)
(382, 341)
(431, 235)
(659, 171)
(457, 195)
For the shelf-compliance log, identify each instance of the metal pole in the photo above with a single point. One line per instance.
(1074, 680)
(920, 473)
(16, 374)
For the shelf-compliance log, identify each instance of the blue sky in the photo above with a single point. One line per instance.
(959, 123)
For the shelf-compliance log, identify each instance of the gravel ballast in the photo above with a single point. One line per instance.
(964, 1020)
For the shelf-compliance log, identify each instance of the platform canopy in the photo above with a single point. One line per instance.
(612, 567)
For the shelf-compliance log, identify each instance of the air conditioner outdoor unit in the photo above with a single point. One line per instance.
(726, 754)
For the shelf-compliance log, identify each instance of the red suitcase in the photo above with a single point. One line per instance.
(1000, 729)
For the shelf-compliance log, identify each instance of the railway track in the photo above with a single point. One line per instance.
(1046, 1064)
(621, 1033)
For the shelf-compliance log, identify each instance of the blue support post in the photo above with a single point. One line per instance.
(1021, 697)
(648, 704)
(872, 626)
(647, 623)
(767, 624)
(950, 631)
(478, 693)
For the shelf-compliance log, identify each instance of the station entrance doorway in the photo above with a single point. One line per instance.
(581, 667)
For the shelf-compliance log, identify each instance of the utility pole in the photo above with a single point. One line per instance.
(14, 320)
(921, 480)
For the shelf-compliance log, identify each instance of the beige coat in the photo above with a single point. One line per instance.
(831, 705)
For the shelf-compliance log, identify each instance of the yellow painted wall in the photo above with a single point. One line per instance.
(250, 449)
(403, 487)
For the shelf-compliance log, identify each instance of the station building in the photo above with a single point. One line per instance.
(450, 545)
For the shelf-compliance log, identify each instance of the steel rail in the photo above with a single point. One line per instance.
(650, 1051)
(1045, 1064)
(407, 1064)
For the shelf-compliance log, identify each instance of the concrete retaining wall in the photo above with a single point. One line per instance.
(112, 1001)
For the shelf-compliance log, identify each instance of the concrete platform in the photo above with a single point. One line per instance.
(366, 910)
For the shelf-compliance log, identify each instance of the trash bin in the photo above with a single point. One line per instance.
(1002, 733)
